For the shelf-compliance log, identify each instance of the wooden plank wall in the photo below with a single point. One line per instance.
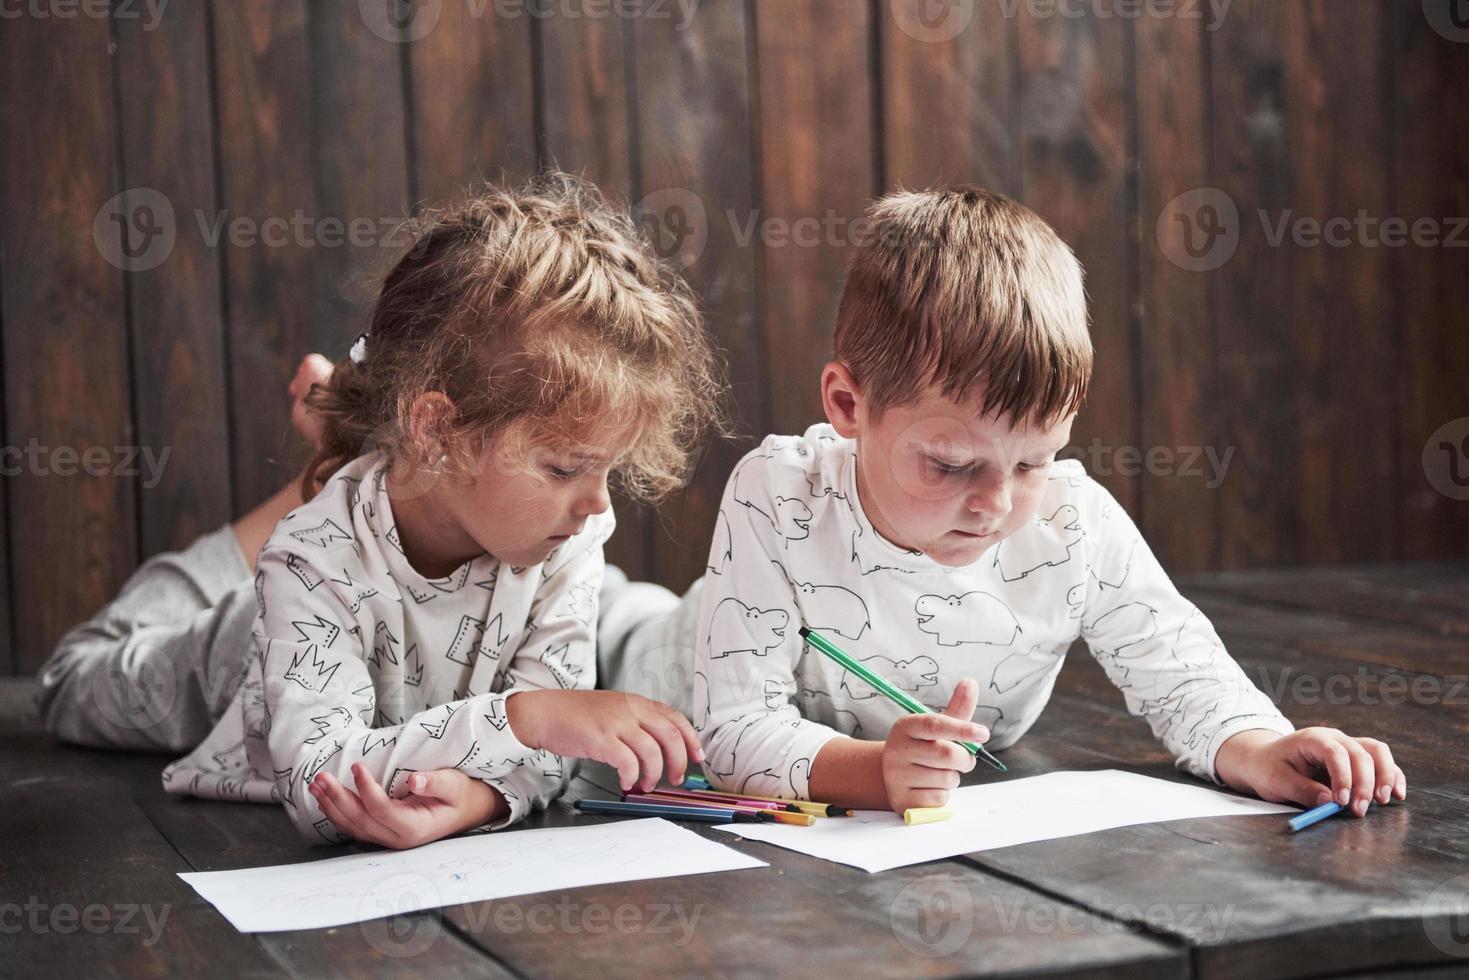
(239, 127)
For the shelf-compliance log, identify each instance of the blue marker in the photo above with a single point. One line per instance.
(673, 812)
(1303, 820)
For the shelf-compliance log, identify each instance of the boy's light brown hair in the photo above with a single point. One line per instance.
(966, 289)
(540, 311)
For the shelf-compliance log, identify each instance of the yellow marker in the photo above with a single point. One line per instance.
(927, 814)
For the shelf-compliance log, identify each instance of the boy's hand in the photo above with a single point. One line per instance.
(635, 735)
(1288, 768)
(439, 803)
(921, 759)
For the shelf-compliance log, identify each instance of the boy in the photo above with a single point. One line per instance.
(928, 531)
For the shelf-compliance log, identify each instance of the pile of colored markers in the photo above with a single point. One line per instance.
(695, 800)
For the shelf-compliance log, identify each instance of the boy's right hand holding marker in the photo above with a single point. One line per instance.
(917, 765)
(922, 760)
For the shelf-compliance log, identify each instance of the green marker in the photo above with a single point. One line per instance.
(898, 697)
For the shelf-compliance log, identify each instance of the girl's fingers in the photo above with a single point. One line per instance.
(379, 807)
(675, 753)
(350, 817)
(446, 785)
(650, 756)
(625, 761)
(686, 731)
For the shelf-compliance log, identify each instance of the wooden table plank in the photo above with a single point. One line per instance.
(89, 885)
(1431, 595)
(803, 915)
(1348, 895)
(62, 800)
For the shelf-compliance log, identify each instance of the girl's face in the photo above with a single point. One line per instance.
(517, 509)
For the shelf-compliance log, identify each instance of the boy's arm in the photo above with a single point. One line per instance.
(746, 652)
(318, 703)
(1162, 652)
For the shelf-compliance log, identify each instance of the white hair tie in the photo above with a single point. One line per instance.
(358, 352)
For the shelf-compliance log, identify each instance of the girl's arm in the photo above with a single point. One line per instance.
(318, 704)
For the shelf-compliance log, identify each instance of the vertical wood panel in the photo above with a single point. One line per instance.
(693, 143)
(947, 108)
(10, 659)
(1295, 87)
(1177, 387)
(816, 159)
(1252, 160)
(1430, 289)
(174, 309)
(361, 167)
(584, 99)
(472, 105)
(1074, 156)
(266, 175)
(73, 539)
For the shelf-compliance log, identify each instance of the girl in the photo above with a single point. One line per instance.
(424, 626)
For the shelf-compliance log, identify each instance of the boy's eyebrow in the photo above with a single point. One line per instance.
(944, 448)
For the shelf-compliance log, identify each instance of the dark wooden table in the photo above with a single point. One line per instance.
(92, 846)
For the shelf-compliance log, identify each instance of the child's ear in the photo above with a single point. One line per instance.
(430, 421)
(842, 399)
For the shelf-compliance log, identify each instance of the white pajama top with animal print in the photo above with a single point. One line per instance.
(793, 547)
(358, 658)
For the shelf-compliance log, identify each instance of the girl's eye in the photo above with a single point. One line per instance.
(560, 473)
(1032, 467)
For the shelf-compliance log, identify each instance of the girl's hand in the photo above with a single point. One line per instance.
(922, 759)
(1289, 768)
(635, 735)
(439, 803)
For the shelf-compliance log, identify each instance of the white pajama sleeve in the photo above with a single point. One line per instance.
(318, 703)
(747, 649)
(559, 652)
(1162, 652)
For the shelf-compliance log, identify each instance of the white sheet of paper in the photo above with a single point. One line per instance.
(1018, 811)
(360, 887)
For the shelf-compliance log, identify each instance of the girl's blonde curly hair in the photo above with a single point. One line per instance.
(540, 312)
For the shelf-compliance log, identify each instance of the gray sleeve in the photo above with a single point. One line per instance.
(155, 667)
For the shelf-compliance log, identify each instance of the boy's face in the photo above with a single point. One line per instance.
(934, 476)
